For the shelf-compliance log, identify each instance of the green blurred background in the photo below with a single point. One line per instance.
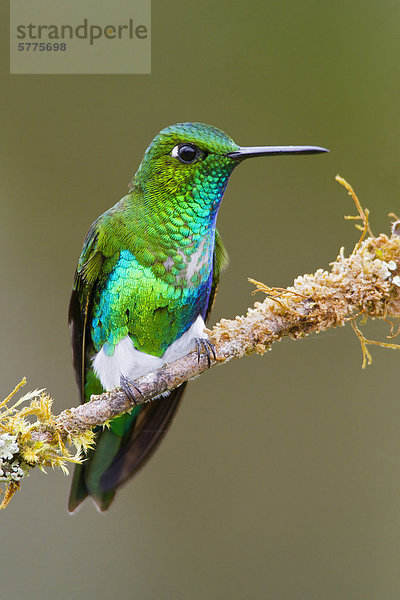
(280, 478)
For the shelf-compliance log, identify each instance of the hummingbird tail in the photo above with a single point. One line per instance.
(122, 450)
(78, 491)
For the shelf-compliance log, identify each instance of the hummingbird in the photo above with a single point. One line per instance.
(144, 288)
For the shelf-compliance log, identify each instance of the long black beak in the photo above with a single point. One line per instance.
(250, 151)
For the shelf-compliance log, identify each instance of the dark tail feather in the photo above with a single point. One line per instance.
(116, 458)
(87, 475)
(78, 491)
(150, 427)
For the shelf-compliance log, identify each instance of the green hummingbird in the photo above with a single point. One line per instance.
(144, 287)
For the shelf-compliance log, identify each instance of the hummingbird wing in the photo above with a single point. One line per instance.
(86, 275)
(220, 262)
(133, 437)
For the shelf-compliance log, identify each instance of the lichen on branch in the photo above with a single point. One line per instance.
(366, 283)
(20, 448)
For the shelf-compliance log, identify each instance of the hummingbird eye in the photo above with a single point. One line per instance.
(187, 153)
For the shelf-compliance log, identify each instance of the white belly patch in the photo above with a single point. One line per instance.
(131, 363)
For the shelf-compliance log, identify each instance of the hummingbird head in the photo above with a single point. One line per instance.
(189, 164)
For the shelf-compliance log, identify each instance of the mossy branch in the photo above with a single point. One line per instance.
(366, 283)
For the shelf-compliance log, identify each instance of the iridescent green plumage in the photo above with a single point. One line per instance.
(144, 286)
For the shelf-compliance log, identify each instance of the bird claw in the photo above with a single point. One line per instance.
(204, 346)
(126, 386)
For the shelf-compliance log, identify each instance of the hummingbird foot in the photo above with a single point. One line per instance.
(127, 385)
(204, 346)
